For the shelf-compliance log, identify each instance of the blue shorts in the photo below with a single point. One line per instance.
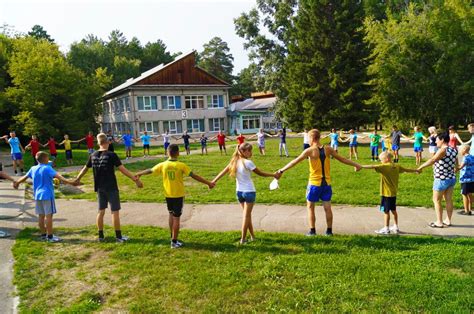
(45, 207)
(305, 146)
(374, 150)
(418, 149)
(442, 185)
(128, 147)
(395, 147)
(69, 154)
(315, 193)
(17, 156)
(166, 145)
(353, 145)
(246, 197)
(90, 150)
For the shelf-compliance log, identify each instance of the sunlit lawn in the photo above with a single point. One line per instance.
(349, 187)
(211, 273)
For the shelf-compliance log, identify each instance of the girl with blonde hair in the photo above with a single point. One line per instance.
(241, 167)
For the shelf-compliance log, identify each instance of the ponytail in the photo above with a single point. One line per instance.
(237, 156)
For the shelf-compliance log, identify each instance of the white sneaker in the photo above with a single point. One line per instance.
(122, 239)
(176, 245)
(384, 230)
(126, 158)
(54, 239)
(394, 229)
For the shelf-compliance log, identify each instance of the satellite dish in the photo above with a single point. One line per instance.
(232, 107)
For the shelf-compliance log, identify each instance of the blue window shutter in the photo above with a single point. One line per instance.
(177, 102)
(154, 104)
(221, 101)
(140, 103)
(164, 102)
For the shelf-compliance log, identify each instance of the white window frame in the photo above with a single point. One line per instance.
(148, 107)
(198, 123)
(168, 98)
(249, 118)
(193, 99)
(212, 124)
(214, 101)
(172, 126)
(149, 126)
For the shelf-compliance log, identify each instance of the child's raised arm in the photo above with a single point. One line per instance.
(304, 155)
(221, 174)
(19, 181)
(410, 170)
(261, 173)
(202, 180)
(144, 172)
(343, 160)
(67, 181)
(134, 178)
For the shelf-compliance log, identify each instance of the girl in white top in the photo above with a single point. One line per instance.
(241, 167)
(260, 141)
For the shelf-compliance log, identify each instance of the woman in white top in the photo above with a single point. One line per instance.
(241, 167)
(260, 141)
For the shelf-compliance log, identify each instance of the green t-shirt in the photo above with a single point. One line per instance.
(389, 178)
(418, 139)
(374, 139)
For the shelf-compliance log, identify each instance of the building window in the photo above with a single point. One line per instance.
(122, 104)
(170, 102)
(216, 124)
(106, 108)
(173, 127)
(194, 102)
(150, 127)
(195, 126)
(215, 101)
(250, 122)
(127, 104)
(147, 103)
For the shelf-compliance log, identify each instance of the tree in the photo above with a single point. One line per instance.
(155, 54)
(246, 82)
(217, 59)
(39, 32)
(420, 64)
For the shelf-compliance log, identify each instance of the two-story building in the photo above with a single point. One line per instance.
(177, 96)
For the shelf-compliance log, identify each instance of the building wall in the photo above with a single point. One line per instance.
(128, 115)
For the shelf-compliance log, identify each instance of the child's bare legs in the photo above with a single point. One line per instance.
(170, 223)
(49, 224)
(100, 219)
(467, 201)
(262, 150)
(116, 219)
(437, 197)
(448, 197)
(311, 215)
(395, 217)
(418, 158)
(328, 211)
(386, 219)
(41, 224)
(355, 153)
(174, 227)
(247, 221)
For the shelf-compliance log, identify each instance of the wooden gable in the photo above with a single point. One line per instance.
(182, 72)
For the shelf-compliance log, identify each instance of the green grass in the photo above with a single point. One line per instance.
(211, 273)
(349, 187)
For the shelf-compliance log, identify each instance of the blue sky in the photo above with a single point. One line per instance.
(183, 25)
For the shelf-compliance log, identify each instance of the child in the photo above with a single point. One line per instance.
(395, 137)
(173, 172)
(240, 139)
(145, 138)
(418, 138)
(68, 148)
(34, 145)
(52, 149)
(352, 139)
(43, 191)
(89, 138)
(454, 138)
(221, 141)
(282, 136)
(203, 140)
(166, 140)
(389, 174)
(16, 152)
(111, 139)
(319, 183)
(432, 146)
(260, 135)
(127, 140)
(103, 163)
(466, 177)
(334, 139)
(374, 145)
(241, 167)
(386, 144)
(186, 137)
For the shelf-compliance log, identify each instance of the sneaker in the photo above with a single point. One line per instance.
(43, 237)
(54, 239)
(394, 229)
(384, 230)
(328, 233)
(242, 242)
(176, 245)
(310, 234)
(122, 239)
(462, 212)
(126, 158)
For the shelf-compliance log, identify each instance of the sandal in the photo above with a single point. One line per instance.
(434, 225)
(447, 225)
(462, 212)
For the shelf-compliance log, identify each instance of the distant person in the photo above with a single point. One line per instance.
(145, 138)
(305, 139)
(418, 138)
(173, 172)
(432, 140)
(395, 137)
(241, 167)
(389, 174)
(454, 139)
(470, 127)
(374, 145)
(203, 140)
(16, 150)
(103, 163)
(68, 149)
(89, 138)
(33, 145)
(282, 147)
(53, 153)
(43, 193)
(240, 139)
(186, 137)
(128, 142)
(260, 136)
(444, 166)
(221, 141)
(111, 139)
(466, 178)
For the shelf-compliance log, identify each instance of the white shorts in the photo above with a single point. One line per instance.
(433, 149)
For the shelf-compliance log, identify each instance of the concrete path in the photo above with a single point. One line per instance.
(275, 218)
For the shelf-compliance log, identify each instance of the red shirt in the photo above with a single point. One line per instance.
(90, 141)
(221, 139)
(240, 139)
(52, 146)
(34, 147)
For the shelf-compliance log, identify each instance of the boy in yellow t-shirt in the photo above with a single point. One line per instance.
(173, 172)
(389, 174)
(68, 148)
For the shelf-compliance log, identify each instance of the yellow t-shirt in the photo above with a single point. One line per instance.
(173, 172)
(67, 144)
(320, 168)
(389, 178)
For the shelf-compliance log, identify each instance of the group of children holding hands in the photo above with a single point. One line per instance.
(103, 163)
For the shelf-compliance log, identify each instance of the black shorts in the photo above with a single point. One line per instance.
(175, 205)
(186, 145)
(388, 204)
(111, 148)
(221, 146)
(69, 154)
(467, 188)
(109, 197)
(146, 146)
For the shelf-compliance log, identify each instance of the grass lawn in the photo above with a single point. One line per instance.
(211, 273)
(349, 187)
